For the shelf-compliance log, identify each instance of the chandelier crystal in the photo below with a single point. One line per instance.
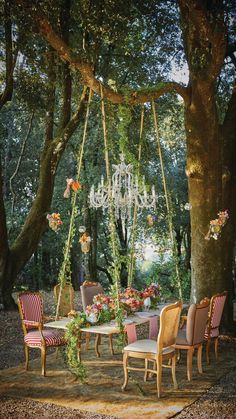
(125, 192)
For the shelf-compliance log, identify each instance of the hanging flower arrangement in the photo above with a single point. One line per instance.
(216, 225)
(54, 221)
(85, 241)
(71, 184)
(151, 219)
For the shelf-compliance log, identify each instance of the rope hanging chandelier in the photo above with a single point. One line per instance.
(125, 192)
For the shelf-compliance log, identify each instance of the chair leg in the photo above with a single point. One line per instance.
(208, 350)
(125, 366)
(189, 363)
(216, 348)
(26, 357)
(173, 370)
(87, 339)
(159, 376)
(111, 345)
(199, 358)
(97, 343)
(146, 367)
(43, 360)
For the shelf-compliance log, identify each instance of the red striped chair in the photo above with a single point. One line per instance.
(30, 306)
(214, 318)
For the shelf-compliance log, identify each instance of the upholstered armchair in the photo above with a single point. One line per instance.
(30, 306)
(213, 324)
(66, 298)
(192, 337)
(158, 351)
(88, 292)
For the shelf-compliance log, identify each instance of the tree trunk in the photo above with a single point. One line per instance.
(14, 259)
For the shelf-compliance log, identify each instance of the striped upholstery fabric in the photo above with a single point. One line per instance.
(215, 316)
(32, 308)
(52, 338)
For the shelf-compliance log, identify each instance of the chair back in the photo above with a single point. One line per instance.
(215, 313)
(66, 300)
(30, 306)
(169, 324)
(196, 322)
(88, 292)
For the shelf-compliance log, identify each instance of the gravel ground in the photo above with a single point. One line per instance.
(218, 402)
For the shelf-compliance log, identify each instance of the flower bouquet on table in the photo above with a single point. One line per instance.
(151, 295)
(131, 300)
(104, 300)
(97, 313)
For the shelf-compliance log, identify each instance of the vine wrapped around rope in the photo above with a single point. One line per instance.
(65, 271)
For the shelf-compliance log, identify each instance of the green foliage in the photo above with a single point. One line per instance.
(72, 336)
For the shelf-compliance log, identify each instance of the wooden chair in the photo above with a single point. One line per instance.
(192, 337)
(66, 300)
(213, 324)
(88, 292)
(30, 306)
(158, 351)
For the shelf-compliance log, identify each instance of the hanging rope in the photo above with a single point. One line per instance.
(134, 224)
(65, 271)
(168, 203)
(114, 240)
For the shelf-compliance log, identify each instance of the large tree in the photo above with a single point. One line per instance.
(210, 140)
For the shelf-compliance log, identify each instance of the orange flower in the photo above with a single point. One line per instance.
(75, 186)
(85, 238)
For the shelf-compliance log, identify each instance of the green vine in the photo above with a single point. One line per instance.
(72, 337)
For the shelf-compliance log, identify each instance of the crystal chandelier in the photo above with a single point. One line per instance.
(125, 193)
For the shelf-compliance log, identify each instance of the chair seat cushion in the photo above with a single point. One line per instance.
(52, 337)
(147, 345)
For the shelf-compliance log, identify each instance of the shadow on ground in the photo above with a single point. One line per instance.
(101, 393)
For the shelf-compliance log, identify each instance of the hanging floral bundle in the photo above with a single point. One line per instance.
(71, 184)
(85, 241)
(54, 221)
(151, 219)
(216, 225)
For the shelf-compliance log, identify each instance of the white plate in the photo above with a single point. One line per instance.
(144, 314)
(128, 321)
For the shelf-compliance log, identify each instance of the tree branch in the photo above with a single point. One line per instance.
(19, 163)
(86, 71)
(10, 57)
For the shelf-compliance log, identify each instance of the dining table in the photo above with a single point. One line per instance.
(106, 329)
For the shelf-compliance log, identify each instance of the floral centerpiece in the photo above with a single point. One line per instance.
(131, 300)
(106, 301)
(98, 312)
(152, 293)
